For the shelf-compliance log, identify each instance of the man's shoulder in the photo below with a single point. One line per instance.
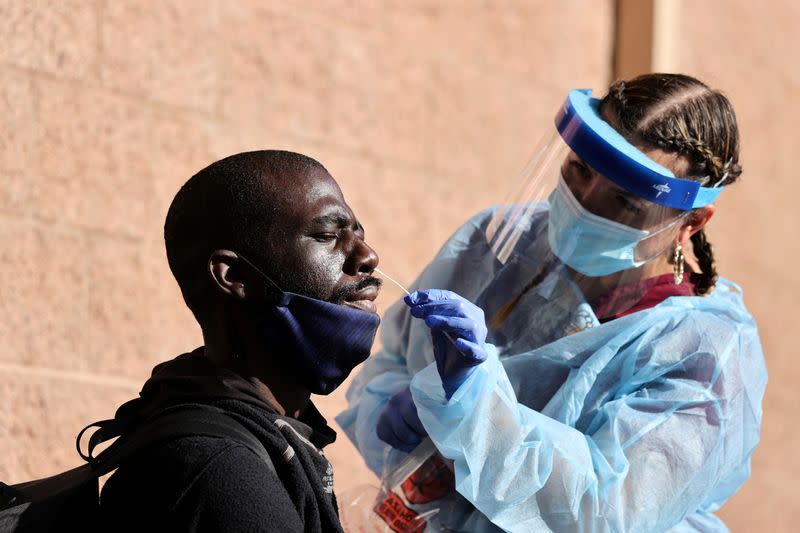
(168, 468)
(170, 482)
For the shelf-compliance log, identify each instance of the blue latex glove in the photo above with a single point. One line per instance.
(447, 313)
(398, 423)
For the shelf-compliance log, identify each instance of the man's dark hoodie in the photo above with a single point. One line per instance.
(195, 484)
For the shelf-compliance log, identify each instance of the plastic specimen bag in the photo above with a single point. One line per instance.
(408, 499)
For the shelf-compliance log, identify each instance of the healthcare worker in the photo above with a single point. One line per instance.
(583, 374)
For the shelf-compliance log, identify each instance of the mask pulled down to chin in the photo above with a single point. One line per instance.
(323, 341)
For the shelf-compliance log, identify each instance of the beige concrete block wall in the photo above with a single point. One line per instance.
(423, 110)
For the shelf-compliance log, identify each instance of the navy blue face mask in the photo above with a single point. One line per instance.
(325, 341)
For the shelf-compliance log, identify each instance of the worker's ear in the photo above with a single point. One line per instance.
(224, 267)
(695, 222)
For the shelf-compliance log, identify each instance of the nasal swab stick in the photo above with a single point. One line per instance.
(390, 278)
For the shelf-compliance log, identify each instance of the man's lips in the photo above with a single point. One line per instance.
(363, 299)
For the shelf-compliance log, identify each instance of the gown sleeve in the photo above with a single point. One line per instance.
(671, 432)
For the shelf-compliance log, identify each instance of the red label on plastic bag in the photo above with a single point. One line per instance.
(429, 482)
(398, 516)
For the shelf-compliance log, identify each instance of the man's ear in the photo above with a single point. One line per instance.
(696, 221)
(223, 267)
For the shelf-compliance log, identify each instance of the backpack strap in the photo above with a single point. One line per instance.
(184, 420)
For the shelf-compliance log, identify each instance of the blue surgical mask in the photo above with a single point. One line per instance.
(588, 243)
(324, 341)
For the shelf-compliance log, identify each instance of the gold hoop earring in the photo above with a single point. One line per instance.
(677, 267)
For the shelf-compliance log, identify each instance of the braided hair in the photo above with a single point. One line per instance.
(680, 114)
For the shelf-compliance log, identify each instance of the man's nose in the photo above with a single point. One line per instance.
(362, 259)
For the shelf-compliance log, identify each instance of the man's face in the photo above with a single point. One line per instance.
(318, 246)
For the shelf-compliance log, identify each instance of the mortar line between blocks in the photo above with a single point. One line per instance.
(54, 373)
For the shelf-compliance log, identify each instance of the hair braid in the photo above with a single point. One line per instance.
(618, 90)
(731, 171)
(712, 164)
(707, 278)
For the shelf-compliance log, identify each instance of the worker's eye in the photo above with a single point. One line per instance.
(580, 169)
(628, 205)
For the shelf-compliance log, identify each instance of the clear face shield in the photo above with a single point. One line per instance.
(592, 227)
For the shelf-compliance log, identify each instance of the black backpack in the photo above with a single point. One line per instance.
(70, 501)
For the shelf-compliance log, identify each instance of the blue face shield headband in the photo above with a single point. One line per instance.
(609, 153)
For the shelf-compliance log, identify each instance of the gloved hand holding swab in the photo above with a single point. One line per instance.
(445, 312)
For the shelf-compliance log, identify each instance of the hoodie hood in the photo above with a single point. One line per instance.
(192, 375)
(193, 378)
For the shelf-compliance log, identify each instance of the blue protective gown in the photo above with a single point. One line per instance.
(645, 423)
